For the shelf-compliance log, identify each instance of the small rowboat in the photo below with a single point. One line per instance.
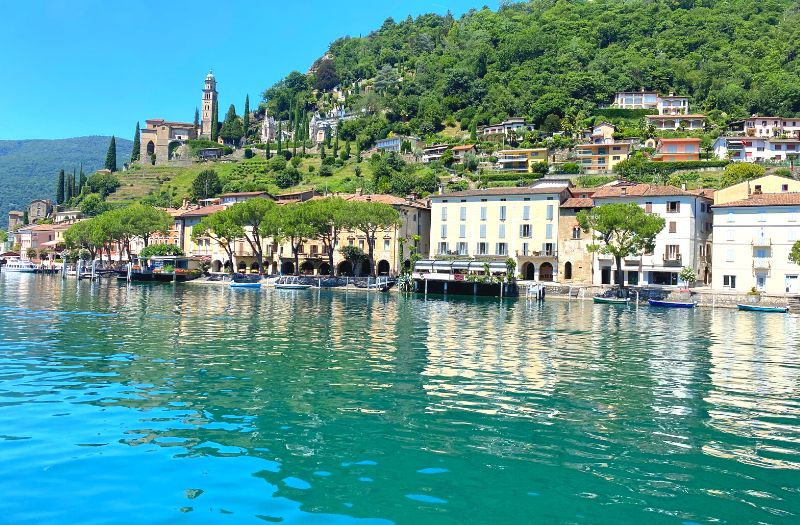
(245, 285)
(671, 304)
(756, 308)
(610, 300)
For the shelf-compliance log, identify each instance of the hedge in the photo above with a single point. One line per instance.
(629, 168)
(624, 113)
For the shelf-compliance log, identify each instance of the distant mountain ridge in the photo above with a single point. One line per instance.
(29, 168)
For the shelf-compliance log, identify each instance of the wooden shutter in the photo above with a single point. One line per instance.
(673, 226)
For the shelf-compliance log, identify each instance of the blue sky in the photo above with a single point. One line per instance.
(94, 67)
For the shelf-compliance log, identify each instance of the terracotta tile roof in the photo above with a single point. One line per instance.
(246, 194)
(392, 200)
(679, 140)
(202, 212)
(38, 228)
(764, 199)
(465, 147)
(502, 191)
(704, 192)
(577, 202)
(639, 190)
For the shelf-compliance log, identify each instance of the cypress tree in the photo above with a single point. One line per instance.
(246, 117)
(322, 151)
(67, 190)
(214, 123)
(136, 146)
(60, 188)
(267, 152)
(196, 121)
(336, 146)
(82, 181)
(280, 133)
(24, 217)
(347, 150)
(72, 184)
(358, 150)
(111, 155)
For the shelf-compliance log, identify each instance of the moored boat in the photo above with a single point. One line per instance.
(18, 265)
(166, 269)
(610, 300)
(757, 308)
(291, 283)
(671, 304)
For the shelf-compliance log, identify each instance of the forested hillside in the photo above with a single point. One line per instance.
(29, 168)
(533, 59)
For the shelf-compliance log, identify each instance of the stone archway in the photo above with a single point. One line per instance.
(216, 266)
(345, 268)
(307, 268)
(567, 271)
(172, 147)
(383, 267)
(546, 272)
(242, 266)
(254, 266)
(324, 269)
(529, 271)
(287, 268)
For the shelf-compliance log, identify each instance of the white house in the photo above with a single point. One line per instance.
(752, 240)
(756, 149)
(684, 241)
(760, 126)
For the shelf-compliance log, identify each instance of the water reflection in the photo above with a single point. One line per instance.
(336, 406)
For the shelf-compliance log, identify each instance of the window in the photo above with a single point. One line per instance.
(483, 231)
(443, 248)
(784, 187)
(673, 206)
(361, 243)
(576, 232)
(526, 213)
(525, 231)
(483, 213)
(729, 255)
(730, 216)
(444, 213)
(462, 231)
(444, 231)
(648, 207)
(673, 252)
(462, 248)
(731, 236)
(673, 226)
(387, 244)
(568, 270)
(548, 232)
(758, 188)
(502, 213)
(314, 248)
(729, 281)
(549, 212)
(525, 248)
(482, 248)
(501, 232)
(501, 248)
(548, 248)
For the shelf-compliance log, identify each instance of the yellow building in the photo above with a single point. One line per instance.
(766, 184)
(602, 157)
(501, 223)
(521, 160)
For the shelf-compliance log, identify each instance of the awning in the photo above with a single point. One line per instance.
(442, 265)
(460, 265)
(497, 266)
(424, 265)
(52, 244)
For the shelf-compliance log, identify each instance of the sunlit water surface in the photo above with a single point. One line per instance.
(198, 404)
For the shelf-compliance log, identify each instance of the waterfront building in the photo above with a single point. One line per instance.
(677, 149)
(684, 241)
(495, 224)
(522, 160)
(757, 149)
(41, 237)
(575, 261)
(753, 237)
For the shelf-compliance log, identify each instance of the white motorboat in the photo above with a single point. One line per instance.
(291, 283)
(19, 265)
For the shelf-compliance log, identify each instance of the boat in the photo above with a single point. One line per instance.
(756, 308)
(18, 265)
(167, 269)
(671, 304)
(291, 283)
(234, 284)
(610, 300)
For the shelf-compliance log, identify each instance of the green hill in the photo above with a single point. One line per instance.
(566, 58)
(29, 168)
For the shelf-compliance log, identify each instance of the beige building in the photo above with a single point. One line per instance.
(207, 104)
(602, 157)
(161, 138)
(574, 259)
(15, 218)
(39, 209)
(495, 224)
(766, 184)
(521, 160)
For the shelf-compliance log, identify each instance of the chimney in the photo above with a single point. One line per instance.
(683, 186)
(185, 204)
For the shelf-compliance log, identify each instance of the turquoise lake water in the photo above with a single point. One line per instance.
(201, 404)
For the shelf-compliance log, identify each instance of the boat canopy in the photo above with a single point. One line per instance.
(459, 264)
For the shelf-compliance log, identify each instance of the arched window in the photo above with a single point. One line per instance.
(568, 270)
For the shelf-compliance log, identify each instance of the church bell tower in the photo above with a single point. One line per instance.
(209, 102)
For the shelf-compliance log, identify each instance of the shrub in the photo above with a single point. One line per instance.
(277, 163)
(328, 161)
(741, 171)
(570, 167)
(325, 170)
(287, 178)
(160, 250)
(248, 153)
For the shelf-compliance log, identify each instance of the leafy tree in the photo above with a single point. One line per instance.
(103, 183)
(232, 126)
(206, 185)
(68, 185)
(741, 171)
(141, 221)
(794, 255)
(287, 178)
(258, 219)
(551, 124)
(369, 218)
(355, 255)
(295, 227)
(327, 217)
(246, 117)
(570, 167)
(621, 230)
(60, 188)
(267, 152)
(687, 275)
(326, 77)
(3, 236)
(221, 228)
(135, 150)
(111, 155)
(93, 204)
(279, 138)
(160, 250)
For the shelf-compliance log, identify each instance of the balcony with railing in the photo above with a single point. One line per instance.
(672, 259)
(761, 263)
